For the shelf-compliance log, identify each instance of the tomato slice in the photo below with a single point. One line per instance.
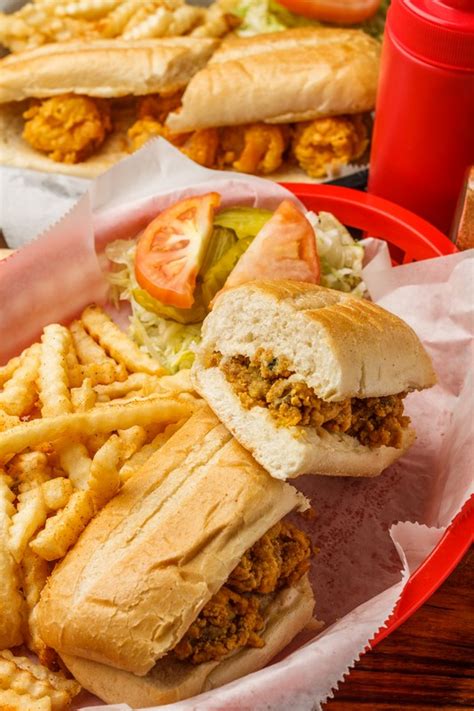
(171, 249)
(344, 11)
(285, 248)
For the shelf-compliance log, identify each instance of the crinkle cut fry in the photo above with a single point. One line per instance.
(115, 342)
(19, 393)
(110, 417)
(11, 601)
(88, 350)
(34, 680)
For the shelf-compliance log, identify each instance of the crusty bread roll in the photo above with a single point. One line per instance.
(103, 68)
(151, 559)
(170, 681)
(338, 345)
(297, 75)
(99, 68)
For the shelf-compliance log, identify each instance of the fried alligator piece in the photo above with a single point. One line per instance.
(68, 128)
(329, 143)
(267, 381)
(235, 615)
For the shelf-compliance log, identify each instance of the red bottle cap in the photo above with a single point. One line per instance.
(437, 31)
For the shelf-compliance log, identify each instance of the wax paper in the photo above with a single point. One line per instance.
(371, 533)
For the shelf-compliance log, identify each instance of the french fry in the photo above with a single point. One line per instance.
(53, 377)
(88, 351)
(95, 441)
(30, 469)
(115, 22)
(152, 26)
(64, 528)
(136, 461)
(7, 370)
(110, 417)
(104, 479)
(87, 9)
(19, 393)
(183, 20)
(84, 397)
(56, 493)
(180, 382)
(115, 342)
(29, 517)
(74, 459)
(7, 421)
(11, 601)
(132, 440)
(34, 573)
(135, 381)
(34, 679)
(105, 372)
(11, 701)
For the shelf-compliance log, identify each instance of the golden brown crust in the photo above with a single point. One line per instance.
(177, 528)
(296, 75)
(170, 681)
(103, 68)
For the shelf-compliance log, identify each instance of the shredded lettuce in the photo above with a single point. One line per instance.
(340, 255)
(170, 334)
(258, 16)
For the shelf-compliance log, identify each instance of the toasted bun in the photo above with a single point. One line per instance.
(148, 563)
(170, 680)
(294, 75)
(103, 68)
(339, 345)
(15, 151)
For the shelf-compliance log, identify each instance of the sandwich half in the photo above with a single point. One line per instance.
(294, 104)
(310, 380)
(186, 580)
(68, 108)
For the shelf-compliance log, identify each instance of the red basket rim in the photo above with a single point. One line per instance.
(415, 239)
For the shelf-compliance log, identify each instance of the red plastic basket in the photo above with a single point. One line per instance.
(410, 238)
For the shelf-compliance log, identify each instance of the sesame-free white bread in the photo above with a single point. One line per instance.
(280, 77)
(339, 345)
(170, 681)
(103, 68)
(151, 559)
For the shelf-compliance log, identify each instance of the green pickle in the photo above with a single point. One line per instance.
(244, 221)
(195, 314)
(216, 276)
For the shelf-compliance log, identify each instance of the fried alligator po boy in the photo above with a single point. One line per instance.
(66, 108)
(291, 104)
(310, 380)
(186, 580)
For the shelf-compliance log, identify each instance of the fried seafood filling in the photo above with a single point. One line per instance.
(68, 128)
(266, 381)
(235, 616)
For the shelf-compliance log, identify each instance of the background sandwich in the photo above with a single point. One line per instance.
(187, 579)
(291, 104)
(67, 108)
(310, 380)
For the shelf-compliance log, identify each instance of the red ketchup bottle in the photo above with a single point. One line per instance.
(424, 118)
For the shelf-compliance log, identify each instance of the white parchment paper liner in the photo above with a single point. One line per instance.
(365, 556)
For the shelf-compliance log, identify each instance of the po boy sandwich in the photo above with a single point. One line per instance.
(186, 580)
(289, 104)
(67, 108)
(310, 380)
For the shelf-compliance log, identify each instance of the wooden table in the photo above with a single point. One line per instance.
(427, 663)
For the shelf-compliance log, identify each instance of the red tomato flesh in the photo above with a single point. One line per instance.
(285, 248)
(345, 12)
(171, 249)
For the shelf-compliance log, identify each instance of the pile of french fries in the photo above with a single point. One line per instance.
(80, 413)
(46, 21)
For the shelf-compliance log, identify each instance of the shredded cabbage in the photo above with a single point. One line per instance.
(168, 341)
(171, 342)
(339, 255)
